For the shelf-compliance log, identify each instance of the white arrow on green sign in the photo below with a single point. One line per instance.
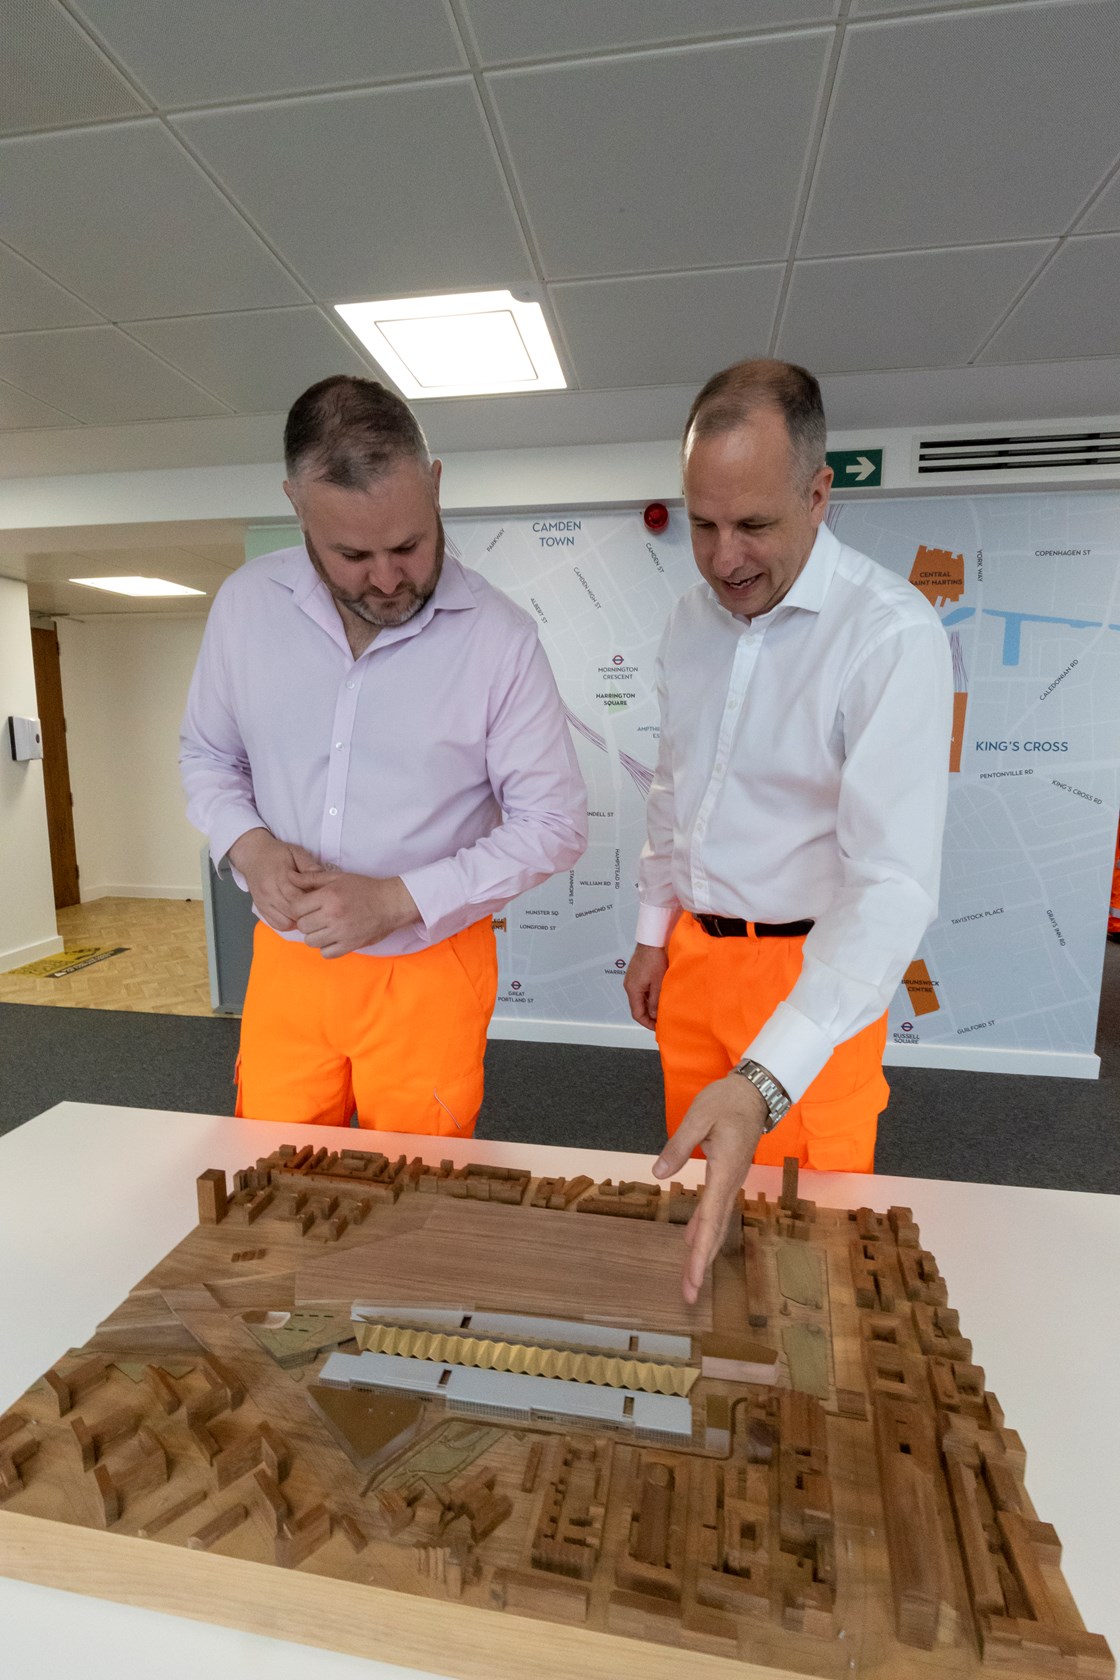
(856, 466)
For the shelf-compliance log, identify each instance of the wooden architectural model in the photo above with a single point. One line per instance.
(399, 1410)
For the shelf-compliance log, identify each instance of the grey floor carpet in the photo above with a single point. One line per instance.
(988, 1128)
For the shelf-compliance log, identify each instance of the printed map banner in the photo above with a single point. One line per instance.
(1028, 589)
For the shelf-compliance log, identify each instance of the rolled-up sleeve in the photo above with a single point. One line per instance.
(897, 722)
(536, 781)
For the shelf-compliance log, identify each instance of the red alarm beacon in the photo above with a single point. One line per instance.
(656, 517)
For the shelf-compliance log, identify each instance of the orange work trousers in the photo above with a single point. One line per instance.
(716, 996)
(401, 1039)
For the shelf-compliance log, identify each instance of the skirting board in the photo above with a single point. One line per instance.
(29, 953)
(627, 1035)
(613, 1035)
(1052, 1064)
(116, 889)
(364, 1621)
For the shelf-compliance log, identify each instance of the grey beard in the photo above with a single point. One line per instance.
(379, 617)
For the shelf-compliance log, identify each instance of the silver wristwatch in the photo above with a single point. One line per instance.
(776, 1099)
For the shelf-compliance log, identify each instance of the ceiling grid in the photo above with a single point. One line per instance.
(920, 197)
(812, 159)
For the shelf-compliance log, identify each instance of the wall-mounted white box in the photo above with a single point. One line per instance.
(26, 737)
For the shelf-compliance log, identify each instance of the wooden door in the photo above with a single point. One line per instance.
(56, 768)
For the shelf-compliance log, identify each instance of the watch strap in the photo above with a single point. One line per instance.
(773, 1093)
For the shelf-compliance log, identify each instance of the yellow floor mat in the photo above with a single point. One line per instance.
(68, 961)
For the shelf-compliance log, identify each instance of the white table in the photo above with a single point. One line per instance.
(93, 1196)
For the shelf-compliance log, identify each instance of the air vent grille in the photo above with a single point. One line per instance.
(1017, 455)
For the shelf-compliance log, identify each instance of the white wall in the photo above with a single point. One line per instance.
(124, 685)
(490, 480)
(27, 922)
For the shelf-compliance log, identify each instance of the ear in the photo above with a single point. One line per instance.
(437, 474)
(818, 494)
(289, 491)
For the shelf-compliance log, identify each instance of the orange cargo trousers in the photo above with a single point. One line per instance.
(401, 1039)
(715, 997)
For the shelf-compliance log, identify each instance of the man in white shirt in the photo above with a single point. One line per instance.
(795, 819)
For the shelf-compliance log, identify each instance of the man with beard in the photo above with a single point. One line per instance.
(375, 745)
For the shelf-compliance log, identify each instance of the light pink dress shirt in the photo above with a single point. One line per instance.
(441, 754)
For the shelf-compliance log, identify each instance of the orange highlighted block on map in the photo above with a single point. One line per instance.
(919, 989)
(956, 740)
(939, 574)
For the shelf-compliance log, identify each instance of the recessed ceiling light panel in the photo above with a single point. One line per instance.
(137, 586)
(471, 345)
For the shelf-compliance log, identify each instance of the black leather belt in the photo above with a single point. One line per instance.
(733, 927)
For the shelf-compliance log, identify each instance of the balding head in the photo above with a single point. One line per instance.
(733, 398)
(350, 432)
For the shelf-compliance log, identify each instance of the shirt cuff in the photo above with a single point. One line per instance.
(227, 833)
(437, 893)
(655, 923)
(792, 1048)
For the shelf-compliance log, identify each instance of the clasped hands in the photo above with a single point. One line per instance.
(335, 912)
(725, 1120)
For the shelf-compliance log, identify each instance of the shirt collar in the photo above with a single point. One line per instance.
(809, 587)
(292, 567)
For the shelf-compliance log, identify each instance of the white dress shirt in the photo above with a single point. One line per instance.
(803, 773)
(441, 754)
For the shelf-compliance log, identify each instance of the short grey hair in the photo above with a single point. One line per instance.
(735, 396)
(349, 431)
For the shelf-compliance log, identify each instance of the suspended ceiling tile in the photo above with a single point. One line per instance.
(984, 125)
(666, 329)
(1104, 217)
(48, 574)
(258, 362)
(19, 412)
(995, 396)
(660, 160)
(914, 309)
(209, 50)
(509, 30)
(1071, 310)
(51, 74)
(176, 565)
(864, 8)
(99, 376)
(71, 600)
(371, 194)
(28, 299)
(124, 218)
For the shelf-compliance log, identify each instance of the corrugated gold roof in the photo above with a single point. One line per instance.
(604, 1370)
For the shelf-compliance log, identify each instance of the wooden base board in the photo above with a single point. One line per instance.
(361, 1621)
(767, 1544)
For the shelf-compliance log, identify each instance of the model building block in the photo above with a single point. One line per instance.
(437, 1417)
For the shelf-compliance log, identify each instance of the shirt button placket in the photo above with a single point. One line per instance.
(742, 666)
(338, 769)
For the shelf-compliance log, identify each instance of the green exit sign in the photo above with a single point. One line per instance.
(863, 467)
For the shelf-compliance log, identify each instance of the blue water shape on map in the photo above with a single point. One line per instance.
(1013, 626)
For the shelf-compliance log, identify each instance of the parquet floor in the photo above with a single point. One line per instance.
(163, 972)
